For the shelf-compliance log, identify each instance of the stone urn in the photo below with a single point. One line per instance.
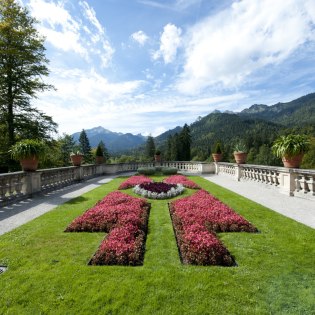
(240, 157)
(76, 159)
(217, 157)
(29, 164)
(292, 161)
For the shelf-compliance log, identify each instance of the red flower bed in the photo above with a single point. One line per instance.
(196, 219)
(181, 179)
(125, 218)
(134, 180)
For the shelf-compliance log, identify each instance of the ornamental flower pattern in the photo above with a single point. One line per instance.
(181, 179)
(196, 219)
(125, 218)
(158, 190)
(134, 180)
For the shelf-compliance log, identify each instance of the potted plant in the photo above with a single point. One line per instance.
(157, 156)
(240, 152)
(76, 158)
(217, 153)
(291, 149)
(99, 155)
(28, 152)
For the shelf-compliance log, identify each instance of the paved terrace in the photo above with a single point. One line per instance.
(17, 214)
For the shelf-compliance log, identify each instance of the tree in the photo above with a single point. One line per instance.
(67, 145)
(150, 147)
(85, 146)
(22, 66)
(105, 151)
(185, 142)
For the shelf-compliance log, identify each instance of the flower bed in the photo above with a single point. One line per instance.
(134, 180)
(159, 190)
(125, 218)
(196, 219)
(181, 179)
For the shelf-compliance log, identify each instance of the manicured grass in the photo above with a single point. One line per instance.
(48, 271)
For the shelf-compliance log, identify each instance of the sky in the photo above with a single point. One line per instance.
(147, 66)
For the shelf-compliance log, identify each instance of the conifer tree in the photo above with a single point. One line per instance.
(85, 146)
(150, 147)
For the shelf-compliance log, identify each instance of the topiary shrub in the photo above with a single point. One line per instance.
(146, 170)
(169, 170)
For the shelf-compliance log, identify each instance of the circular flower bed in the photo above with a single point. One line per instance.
(158, 190)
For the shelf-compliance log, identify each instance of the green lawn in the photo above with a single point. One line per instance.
(48, 271)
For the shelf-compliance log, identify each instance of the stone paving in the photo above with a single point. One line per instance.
(299, 209)
(296, 208)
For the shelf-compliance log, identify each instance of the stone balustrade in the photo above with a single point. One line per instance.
(20, 185)
(293, 182)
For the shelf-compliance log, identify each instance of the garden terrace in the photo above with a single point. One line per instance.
(47, 269)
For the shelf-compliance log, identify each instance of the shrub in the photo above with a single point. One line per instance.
(28, 148)
(169, 170)
(146, 170)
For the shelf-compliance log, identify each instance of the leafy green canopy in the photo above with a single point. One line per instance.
(22, 66)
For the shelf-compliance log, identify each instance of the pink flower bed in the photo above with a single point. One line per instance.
(134, 180)
(125, 218)
(196, 219)
(181, 179)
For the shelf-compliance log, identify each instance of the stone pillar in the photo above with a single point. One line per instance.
(287, 182)
(78, 173)
(31, 183)
(238, 172)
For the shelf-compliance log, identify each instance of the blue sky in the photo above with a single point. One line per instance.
(146, 66)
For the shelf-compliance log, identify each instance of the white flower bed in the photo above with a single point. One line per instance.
(173, 192)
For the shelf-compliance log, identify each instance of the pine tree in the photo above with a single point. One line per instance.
(150, 147)
(85, 146)
(185, 142)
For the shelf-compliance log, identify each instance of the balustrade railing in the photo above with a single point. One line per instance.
(294, 182)
(19, 185)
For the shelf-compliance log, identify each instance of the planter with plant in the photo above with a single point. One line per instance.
(28, 152)
(76, 158)
(291, 149)
(240, 152)
(217, 153)
(157, 156)
(99, 155)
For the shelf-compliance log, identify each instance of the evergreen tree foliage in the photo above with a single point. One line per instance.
(105, 151)
(150, 147)
(85, 147)
(185, 142)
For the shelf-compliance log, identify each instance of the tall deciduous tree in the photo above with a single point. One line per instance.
(22, 66)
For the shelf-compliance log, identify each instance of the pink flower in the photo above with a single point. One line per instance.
(181, 179)
(134, 180)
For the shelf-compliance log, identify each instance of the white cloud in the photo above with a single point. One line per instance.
(82, 33)
(140, 37)
(227, 48)
(170, 41)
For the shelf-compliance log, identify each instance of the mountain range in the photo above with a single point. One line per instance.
(258, 121)
(115, 141)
